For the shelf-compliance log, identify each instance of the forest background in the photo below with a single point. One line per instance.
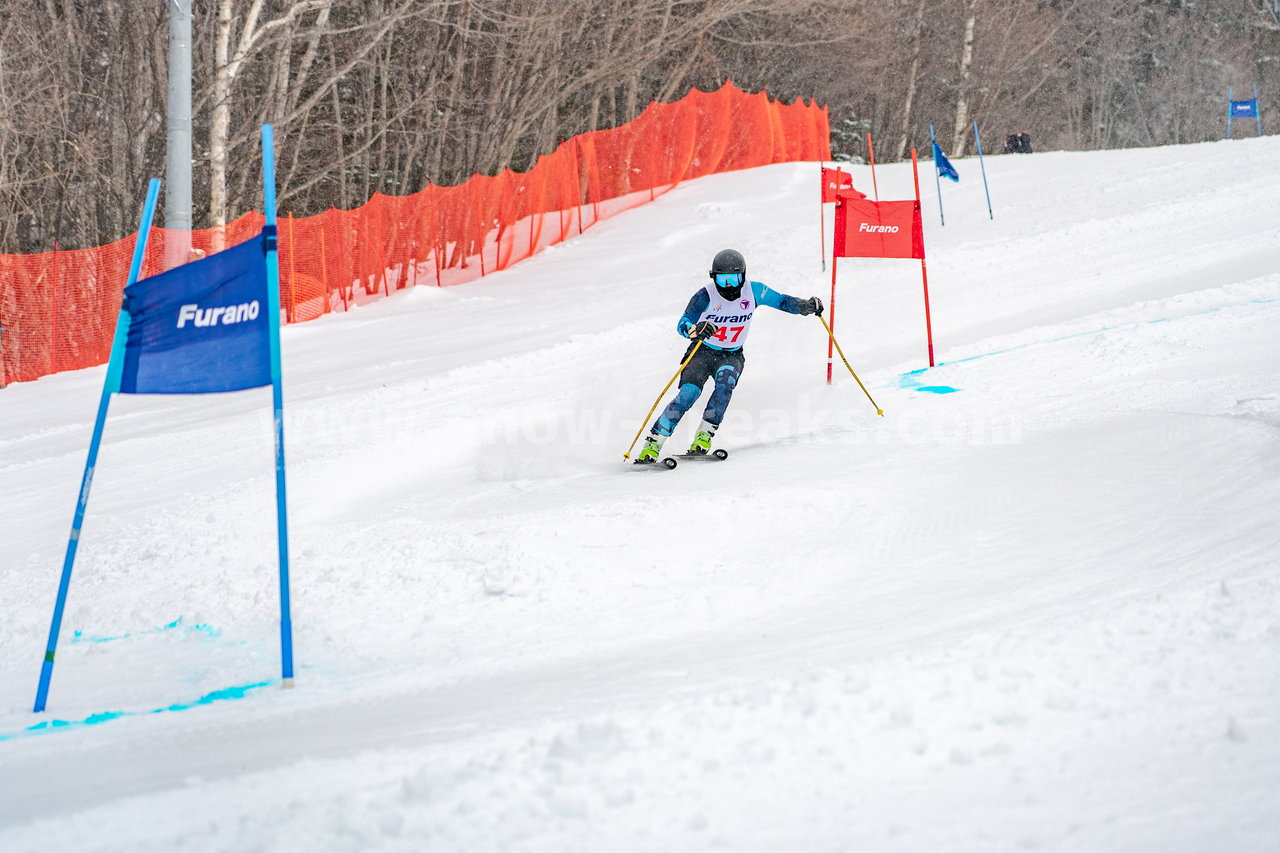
(391, 95)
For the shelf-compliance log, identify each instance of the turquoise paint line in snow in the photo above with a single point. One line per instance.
(906, 382)
(201, 628)
(105, 716)
(938, 389)
(223, 695)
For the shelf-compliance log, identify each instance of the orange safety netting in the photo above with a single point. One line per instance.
(58, 310)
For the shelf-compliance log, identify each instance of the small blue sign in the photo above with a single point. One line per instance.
(1244, 109)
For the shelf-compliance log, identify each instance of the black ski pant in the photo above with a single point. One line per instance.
(722, 366)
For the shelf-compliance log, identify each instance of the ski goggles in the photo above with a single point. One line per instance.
(729, 279)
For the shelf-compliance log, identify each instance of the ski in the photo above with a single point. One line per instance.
(717, 455)
(666, 463)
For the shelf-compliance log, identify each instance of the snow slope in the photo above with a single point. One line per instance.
(1038, 611)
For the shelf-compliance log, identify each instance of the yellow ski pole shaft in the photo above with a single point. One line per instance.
(692, 352)
(879, 411)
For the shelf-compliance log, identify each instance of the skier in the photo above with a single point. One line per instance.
(719, 315)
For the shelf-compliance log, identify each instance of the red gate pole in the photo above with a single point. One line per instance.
(928, 324)
(924, 272)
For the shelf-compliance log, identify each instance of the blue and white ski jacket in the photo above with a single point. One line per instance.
(732, 317)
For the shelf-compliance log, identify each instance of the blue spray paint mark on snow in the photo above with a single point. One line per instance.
(223, 695)
(907, 382)
(201, 628)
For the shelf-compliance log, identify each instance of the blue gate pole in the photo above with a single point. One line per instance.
(277, 396)
(1229, 90)
(937, 183)
(1257, 108)
(978, 140)
(111, 385)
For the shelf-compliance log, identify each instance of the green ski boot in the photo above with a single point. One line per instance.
(650, 451)
(702, 440)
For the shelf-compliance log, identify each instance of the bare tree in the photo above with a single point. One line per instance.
(962, 94)
(390, 95)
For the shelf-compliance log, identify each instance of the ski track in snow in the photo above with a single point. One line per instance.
(1038, 611)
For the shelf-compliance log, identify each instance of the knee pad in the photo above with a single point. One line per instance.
(727, 376)
(687, 396)
(681, 403)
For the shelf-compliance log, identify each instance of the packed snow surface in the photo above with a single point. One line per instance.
(1034, 606)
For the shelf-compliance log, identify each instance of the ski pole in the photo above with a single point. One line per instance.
(879, 411)
(692, 352)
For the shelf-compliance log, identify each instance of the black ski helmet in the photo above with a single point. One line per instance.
(729, 261)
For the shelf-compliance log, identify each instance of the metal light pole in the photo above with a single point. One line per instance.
(177, 186)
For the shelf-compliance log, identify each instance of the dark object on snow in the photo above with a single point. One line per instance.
(1017, 143)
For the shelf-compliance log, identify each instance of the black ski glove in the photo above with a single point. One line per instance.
(703, 330)
(812, 305)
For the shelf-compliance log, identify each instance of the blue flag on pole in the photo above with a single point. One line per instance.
(1244, 109)
(202, 327)
(945, 169)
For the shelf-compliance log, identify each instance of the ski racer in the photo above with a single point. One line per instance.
(718, 315)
